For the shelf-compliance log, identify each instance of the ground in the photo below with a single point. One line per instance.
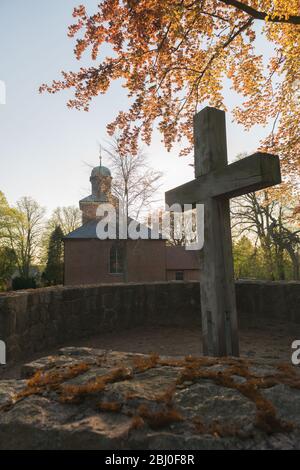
(270, 341)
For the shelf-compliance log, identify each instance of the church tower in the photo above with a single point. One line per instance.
(101, 193)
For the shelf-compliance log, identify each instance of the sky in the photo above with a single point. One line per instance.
(46, 149)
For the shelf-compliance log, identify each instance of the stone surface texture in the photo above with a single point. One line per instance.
(83, 398)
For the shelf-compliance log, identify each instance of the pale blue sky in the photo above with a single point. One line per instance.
(45, 147)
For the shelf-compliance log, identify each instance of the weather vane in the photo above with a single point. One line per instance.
(100, 155)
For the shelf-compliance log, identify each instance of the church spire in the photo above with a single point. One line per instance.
(101, 191)
(100, 155)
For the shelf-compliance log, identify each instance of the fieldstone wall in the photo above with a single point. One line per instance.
(32, 321)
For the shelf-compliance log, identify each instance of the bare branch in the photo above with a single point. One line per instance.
(260, 15)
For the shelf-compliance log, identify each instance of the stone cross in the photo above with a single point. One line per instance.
(216, 182)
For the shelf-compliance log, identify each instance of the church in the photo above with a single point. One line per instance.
(91, 260)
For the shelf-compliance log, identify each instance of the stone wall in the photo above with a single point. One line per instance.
(35, 320)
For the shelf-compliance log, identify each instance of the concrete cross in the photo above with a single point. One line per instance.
(216, 182)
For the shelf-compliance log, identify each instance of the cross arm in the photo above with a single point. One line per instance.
(252, 173)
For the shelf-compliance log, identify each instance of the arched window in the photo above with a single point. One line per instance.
(116, 260)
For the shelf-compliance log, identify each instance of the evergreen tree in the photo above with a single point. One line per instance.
(53, 273)
(8, 264)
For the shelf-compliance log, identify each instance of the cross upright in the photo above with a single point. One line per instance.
(215, 183)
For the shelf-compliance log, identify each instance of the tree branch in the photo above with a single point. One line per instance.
(260, 15)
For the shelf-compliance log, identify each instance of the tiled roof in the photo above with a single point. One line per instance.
(89, 230)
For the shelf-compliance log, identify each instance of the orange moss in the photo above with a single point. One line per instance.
(136, 423)
(143, 363)
(217, 429)
(113, 406)
(166, 396)
(199, 361)
(159, 419)
(73, 393)
(50, 380)
(288, 375)
(188, 360)
(266, 419)
(193, 369)
(171, 362)
(131, 395)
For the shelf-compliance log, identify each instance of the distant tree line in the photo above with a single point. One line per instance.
(31, 247)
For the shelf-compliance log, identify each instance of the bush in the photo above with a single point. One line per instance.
(20, 283)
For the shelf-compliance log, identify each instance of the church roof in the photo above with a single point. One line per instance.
(88, 230)
(94, 198)
(101, 170)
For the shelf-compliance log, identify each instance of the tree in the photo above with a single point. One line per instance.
(53, 273)
(183, 227)
(268, 221)
(7, 219)
(245, 255)
(8, 264)
(286, 239)
(8, 261)
(24, 233)
(135, 183)
(173, 56)
(68, 218)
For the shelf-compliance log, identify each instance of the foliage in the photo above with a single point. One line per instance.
(67, 217)
(8, 264)
(53, 273)
(20, 283)
(245, 259)
(271, 225)
(24, 233)
(8, 217)
(251, 262)
(20, 231)
(173, 56)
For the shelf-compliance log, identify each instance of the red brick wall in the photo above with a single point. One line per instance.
(189, 274)
(87, 261)
(89, 210)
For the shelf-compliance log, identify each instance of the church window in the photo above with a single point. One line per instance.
(179, 276)
(116, 260)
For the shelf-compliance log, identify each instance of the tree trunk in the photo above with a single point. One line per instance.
(125, 250)
(295, 262)
(280, 264)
